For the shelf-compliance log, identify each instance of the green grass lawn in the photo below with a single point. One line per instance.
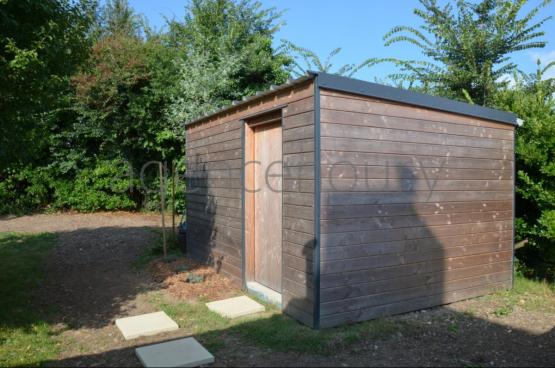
(530, 295)
(274, 330)
(25, 338)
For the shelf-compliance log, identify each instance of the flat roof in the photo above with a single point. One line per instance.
(379, 91)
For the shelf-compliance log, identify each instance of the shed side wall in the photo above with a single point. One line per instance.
(417, 207)
(214, 164)
(214, 194)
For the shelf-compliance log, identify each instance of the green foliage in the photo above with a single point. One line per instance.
(107, 186)
(112, 111)
(532, 100)
(119, 18)
(503, 311)
(466, 48)
(25, 190)
(312, 61)
(89, 93)
(226, 53)
(42, 44)
(118, 105)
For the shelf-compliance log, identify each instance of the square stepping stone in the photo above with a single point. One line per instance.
(145, 325)
(235, 307)
(185, 352)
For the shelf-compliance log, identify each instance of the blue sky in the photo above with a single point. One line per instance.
(355, 25)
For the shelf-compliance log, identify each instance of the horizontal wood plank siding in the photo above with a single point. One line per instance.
(214, 234)
(298, 209)
(214, 187)
(416, 207)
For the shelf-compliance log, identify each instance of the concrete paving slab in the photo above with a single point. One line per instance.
(236, 307)
(185, 352)
(145, 325)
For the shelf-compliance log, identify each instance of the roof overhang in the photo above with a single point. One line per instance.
(379, 91)
(256, 96)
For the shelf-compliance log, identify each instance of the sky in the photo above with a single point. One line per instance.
(357, 26)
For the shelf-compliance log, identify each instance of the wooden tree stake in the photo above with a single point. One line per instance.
(173, 198)
(162, 208)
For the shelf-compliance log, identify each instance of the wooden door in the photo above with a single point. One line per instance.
(267, 205)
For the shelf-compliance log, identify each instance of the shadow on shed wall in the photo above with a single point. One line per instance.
(201, 225)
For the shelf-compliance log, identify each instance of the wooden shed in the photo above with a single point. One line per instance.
(347, 200)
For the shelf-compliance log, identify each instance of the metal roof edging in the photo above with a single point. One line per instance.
(360, 87)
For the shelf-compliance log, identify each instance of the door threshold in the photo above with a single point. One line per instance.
(264, 293)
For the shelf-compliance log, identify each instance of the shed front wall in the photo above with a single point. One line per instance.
(215, 162)
(416, 207)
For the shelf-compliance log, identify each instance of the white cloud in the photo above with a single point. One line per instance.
(545, 58)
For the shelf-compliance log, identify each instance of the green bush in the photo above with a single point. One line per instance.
(25, 190)
(107, 186)
(532, 99)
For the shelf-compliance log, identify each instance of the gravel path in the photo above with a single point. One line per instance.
(67, 222)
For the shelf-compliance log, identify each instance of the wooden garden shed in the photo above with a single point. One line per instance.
(350, 200)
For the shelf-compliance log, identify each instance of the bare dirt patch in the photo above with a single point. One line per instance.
(190, 281)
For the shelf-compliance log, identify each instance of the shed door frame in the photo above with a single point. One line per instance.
(249, 124)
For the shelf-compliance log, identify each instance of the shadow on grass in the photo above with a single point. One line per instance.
(77, 279)
(22, 326)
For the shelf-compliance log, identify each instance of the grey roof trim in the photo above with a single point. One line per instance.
(257, 95)
(375, 90)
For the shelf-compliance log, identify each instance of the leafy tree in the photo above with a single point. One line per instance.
(312, 62)
(117, 113)
(466, 47)
(120, 98)
(97, 91)
(25, 189)
(533, 101)
(117, 116)
(226, 53)
(42, 44)
(118, 17)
